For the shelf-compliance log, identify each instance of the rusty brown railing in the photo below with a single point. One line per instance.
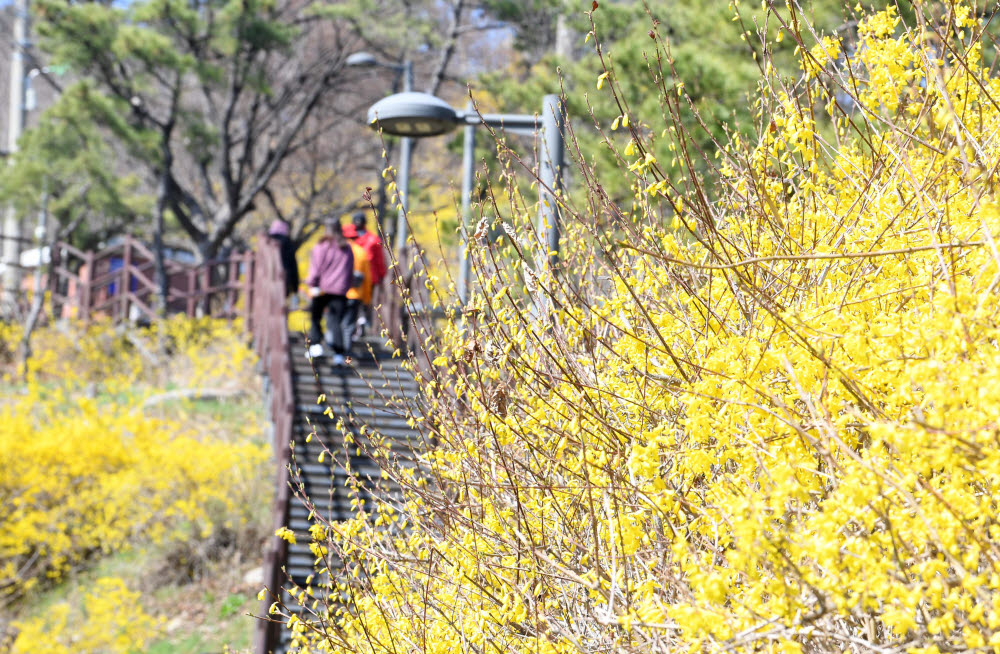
(118, 283)
(269, 324)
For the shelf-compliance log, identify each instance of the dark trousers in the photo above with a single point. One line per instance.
(337, 305)
(349, 323)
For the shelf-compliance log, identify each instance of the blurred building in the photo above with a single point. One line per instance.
(6, 44)
(40, 93)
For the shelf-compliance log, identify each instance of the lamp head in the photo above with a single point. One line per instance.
(413, 114)
(361, 59)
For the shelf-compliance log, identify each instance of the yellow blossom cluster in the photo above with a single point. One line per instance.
(202, 352)
(772, 430)
(86, 469)
(115, 624)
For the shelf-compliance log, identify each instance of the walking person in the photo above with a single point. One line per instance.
(359, 297)
(279, 233)
(331, 275)
(372, 244)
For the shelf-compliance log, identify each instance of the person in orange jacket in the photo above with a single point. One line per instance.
(360, 296)
(372, 245)
(376, 260)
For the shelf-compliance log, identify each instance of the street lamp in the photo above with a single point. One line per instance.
(30, 96)
(417, 115)
(368, 60)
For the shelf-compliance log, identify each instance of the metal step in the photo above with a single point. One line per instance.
(359, 411)
(324, 367)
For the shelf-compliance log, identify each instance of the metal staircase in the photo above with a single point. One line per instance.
(372, 393)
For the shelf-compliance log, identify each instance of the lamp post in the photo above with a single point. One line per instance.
(365, 59)
(468, 178)
(419, 115)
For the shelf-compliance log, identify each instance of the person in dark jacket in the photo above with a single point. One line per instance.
(279, 232)
(331, 275)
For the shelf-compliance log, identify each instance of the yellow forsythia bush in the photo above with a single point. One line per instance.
(754, 415)
(114, 622)
(87, 471)
(198, 352)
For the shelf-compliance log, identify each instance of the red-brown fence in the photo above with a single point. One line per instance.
(118, 282)
(269, 323)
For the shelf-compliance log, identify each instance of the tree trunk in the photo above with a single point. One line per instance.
(160, 264)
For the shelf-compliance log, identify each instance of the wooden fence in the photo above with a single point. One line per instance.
(118, 283)
(269, 324)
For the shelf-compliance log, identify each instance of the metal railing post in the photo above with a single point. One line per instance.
(125, 274)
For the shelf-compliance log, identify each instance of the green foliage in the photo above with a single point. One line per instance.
(715, 58)
(66, 158)
(231, 605)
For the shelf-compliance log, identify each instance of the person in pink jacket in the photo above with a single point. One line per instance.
(331, 275)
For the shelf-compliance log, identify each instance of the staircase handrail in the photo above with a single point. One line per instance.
(269, 324)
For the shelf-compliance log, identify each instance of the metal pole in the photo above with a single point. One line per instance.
(403, 179)
(468, 177)
(11, 249)
(550, 174)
